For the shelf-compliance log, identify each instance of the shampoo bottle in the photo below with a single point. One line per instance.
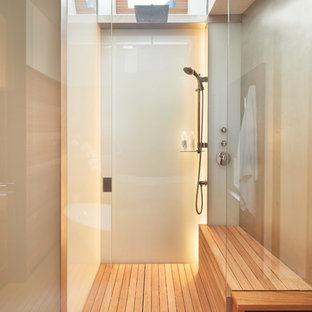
(184, 141)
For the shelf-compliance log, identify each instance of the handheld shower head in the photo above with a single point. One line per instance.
(191, 71)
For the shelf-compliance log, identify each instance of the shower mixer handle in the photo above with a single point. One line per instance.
(223, 158)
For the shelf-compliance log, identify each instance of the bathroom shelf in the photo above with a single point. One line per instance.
(191, 151)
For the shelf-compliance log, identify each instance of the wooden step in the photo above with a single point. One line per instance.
(271, 301)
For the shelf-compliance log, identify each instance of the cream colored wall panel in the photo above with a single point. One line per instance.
(84, 157)
(153, 101)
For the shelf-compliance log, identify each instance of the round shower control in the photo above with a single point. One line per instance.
(224, 143)
(223, 129)
(223, 158)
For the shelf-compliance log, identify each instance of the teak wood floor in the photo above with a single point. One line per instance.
(147, 287)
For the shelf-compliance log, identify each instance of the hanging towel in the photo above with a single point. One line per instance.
(247, 155)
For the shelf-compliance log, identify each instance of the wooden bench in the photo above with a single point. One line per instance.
(244, 275)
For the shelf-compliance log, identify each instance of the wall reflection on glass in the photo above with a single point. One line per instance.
(30, 156)
(276, 43)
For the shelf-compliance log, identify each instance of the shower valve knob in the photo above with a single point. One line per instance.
(223, 158)
(224, 143)
(224, 130)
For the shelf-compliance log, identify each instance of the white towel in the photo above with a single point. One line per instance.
(247, 154)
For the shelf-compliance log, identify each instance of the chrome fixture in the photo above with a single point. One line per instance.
(223, 158)
(224, 130)
(223, 143)
(151, 13)
(200, 127)
(191, 71)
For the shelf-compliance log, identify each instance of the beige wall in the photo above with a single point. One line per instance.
(30, 156)
(276, 56)
(84, 158)
(43, 132)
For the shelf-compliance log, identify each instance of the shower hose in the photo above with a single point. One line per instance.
(199, 189)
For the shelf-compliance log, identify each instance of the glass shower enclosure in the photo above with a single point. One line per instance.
(269, 112)
(129, 105)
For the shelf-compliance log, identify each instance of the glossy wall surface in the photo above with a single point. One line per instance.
(84, 156)
(152, 102)
(275, 185)
(30, 155)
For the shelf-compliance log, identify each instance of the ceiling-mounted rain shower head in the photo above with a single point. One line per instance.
(191, 71)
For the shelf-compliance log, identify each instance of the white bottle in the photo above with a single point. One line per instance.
(191, 142)
(184, 141)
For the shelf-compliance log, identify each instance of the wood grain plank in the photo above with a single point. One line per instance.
(106, 279)
(250, 270)
(163, 300)
(147, 304)
(94, 289)
(210, 281)
(170, 289)
(278, 284)
(234, 244)
(272, 301)
(200, 289)
(124, 288)
(289, 278)
(232, 265)
(222, 279)
(139, 294)
(117, 288)
(177, 288)
(209, 244)
(185, 289)
(155, 288)
(132, 288)
(108, 291)
(192, 288)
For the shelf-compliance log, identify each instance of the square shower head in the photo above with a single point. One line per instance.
(151, 13)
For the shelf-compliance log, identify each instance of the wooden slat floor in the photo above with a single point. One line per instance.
(147, 287)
